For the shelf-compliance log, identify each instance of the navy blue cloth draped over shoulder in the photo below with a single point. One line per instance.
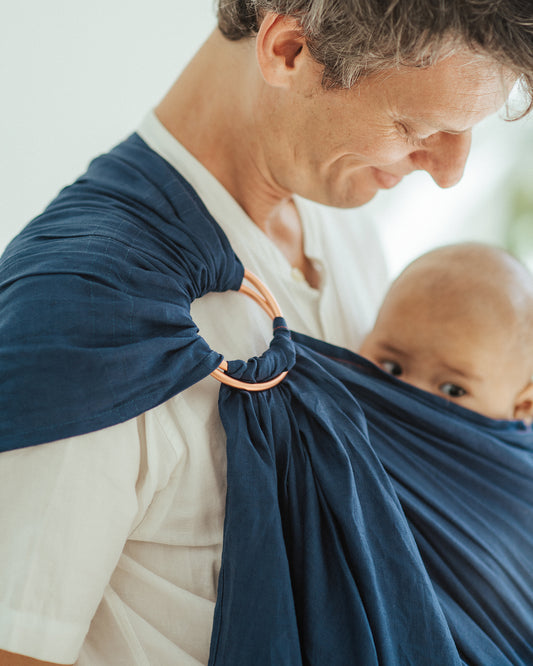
(95, 297)
(366, 521)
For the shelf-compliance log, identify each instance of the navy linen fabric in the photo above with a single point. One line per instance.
(95, 297)
(366, 523)
(319, 564)
(340, 471)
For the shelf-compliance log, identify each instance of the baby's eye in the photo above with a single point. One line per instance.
(392, 368)
(452, 390)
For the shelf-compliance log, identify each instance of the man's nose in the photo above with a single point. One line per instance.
(444, 157)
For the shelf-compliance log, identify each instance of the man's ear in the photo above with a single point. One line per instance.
(280, 49)
(523, 407)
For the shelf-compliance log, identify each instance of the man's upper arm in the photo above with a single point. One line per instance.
(60, 540)
(10, 659)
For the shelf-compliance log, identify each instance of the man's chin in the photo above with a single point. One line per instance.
(353, 199)
(353, 191)
(349, 195)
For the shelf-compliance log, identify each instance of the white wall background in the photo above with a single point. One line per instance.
(418, 215)
(76, 77)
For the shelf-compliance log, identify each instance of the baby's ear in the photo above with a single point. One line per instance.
(523, 407)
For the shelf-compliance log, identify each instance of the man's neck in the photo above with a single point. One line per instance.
(210, 110)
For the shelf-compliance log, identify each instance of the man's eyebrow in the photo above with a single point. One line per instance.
(434, 126)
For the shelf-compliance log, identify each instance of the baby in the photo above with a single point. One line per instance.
(458, 322)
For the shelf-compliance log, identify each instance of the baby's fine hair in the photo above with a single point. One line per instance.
(479, 280)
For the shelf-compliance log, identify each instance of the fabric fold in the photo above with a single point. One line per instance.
(279, 357)
(319, 564)
(95, 297)
(396, 528)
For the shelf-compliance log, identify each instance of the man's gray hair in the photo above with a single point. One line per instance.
(353, 38)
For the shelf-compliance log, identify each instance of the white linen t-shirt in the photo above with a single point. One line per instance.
(111, 541)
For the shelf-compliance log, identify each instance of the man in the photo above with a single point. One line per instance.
(111, 550)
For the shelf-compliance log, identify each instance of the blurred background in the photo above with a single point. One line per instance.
(77, 77)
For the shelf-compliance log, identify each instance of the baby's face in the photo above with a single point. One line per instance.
(456, 357)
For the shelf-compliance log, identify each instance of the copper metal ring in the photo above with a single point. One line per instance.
(264, 297)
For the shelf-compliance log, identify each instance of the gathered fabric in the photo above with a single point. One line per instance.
(95, 296)
(391, 526)
(367, 522)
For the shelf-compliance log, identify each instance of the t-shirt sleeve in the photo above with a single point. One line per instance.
(66, 509)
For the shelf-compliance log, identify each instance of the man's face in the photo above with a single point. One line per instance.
(339, 147)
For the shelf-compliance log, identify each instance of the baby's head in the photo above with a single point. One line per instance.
(458, 322)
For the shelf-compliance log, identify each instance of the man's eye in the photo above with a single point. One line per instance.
(452, 390)
(392, 368)
(408, 134)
